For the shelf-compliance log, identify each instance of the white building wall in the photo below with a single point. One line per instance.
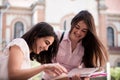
(113, 59)
(1, 1)
(12, 17)
(21, 3)
(117, 24)
(7, 35)
(56, 9)
(119, 40)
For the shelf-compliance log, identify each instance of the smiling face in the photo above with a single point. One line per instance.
(79, 31)
(42, 44)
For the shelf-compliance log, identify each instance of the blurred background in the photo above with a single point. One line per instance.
(18, 16)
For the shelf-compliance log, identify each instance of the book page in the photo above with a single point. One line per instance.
(61, 77)
(83, 72)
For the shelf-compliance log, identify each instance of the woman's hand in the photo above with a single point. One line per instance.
(55, 69)
(86, 78)
(76, 77)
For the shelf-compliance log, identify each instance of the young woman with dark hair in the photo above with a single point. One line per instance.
(39, 43)
(39, 31)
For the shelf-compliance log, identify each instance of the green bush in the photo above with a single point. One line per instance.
(38, 76)
(115, 73)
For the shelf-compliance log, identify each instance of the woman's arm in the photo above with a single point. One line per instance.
(15, 62)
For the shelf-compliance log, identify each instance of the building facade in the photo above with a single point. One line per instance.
(113, 31)
(16, 17)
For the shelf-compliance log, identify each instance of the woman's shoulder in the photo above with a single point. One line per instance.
(20, 42)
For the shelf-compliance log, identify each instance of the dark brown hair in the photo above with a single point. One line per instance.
(39, 30)
(95, 53)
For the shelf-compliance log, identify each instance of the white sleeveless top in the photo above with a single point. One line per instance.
(4, 57)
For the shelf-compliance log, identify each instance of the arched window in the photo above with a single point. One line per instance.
(18, 29)
(110, 36)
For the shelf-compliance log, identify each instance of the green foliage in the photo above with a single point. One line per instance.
(115, 73)
(38, 76)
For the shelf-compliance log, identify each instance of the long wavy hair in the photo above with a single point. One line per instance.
(95, 53)
(40, 30)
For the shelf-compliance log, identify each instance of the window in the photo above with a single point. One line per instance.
(110, 36)
(18, 29)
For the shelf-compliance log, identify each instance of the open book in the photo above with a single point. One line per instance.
(83, 72)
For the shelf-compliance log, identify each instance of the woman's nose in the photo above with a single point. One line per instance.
(46, 48)
(79, 31)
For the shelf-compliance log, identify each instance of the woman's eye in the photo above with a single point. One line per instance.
(47, 42)
(77, 27)
(84, 31)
